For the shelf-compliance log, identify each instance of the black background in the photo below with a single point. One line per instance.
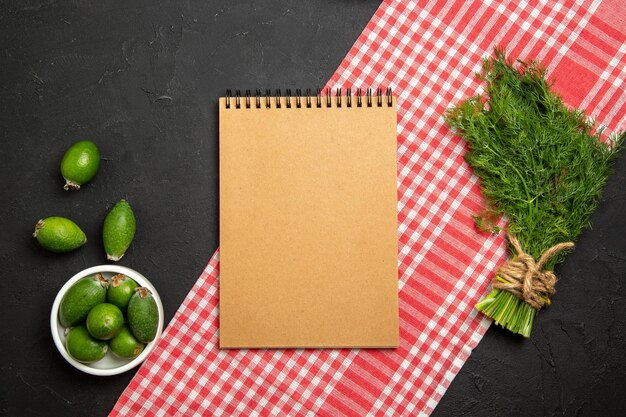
(141, 80)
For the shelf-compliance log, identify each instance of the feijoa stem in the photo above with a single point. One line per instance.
(71, 185)
(143, 292)
(116, 280)
(38, 227)
(103, 280)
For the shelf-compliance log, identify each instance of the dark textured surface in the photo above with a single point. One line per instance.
(141, 79)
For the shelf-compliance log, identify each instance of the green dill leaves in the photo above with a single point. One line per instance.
(540, 164)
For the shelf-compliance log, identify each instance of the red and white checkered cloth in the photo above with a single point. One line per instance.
(427, 52)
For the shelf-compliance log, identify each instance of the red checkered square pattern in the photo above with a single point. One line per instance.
(428, 52)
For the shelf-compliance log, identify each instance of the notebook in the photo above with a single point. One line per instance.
(308, 220)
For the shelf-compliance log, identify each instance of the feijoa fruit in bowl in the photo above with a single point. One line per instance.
(106, 319)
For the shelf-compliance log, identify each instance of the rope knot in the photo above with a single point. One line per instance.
(523, 277)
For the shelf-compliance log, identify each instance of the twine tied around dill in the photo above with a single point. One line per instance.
(523, 277)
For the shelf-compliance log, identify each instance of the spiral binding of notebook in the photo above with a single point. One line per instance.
(259, 100)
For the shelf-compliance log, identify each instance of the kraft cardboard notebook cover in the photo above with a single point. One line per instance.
(308, 222)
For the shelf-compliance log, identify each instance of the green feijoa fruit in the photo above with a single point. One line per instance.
(125, 345)
(81, 297)
(82, 347)
(80, 164)
(120, 291)
(58, 234)
(105, 321)
(118, 230)
(143, 315)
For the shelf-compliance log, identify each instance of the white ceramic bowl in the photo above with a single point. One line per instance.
(110, 364)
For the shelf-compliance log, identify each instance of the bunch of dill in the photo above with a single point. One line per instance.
(541, 164)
